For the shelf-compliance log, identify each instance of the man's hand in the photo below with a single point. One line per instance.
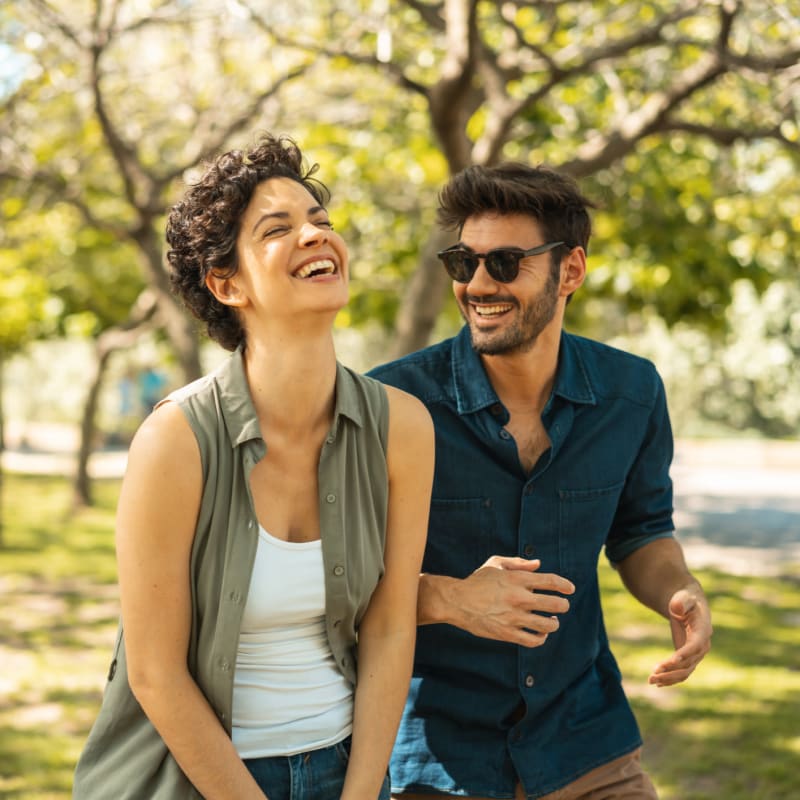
(690, 620)
(502, 600)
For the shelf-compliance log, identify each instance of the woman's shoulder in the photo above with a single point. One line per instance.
(165, 436)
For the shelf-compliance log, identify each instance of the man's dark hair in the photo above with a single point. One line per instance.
(203, 227)
(553, 199)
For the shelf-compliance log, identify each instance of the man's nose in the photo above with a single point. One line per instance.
(481, 282)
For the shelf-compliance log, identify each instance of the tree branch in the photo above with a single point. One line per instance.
(54, 20)
(59, 189)
(393, 70)
(215, 144)
(728, 136)
(450, 94)
(431, 13)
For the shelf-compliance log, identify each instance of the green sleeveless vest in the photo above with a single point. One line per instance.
(125, 758)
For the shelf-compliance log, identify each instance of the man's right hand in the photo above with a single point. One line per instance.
(501, 600)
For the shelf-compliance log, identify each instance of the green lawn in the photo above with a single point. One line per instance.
(731, 732)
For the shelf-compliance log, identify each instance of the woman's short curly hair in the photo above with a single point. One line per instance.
(203, 227)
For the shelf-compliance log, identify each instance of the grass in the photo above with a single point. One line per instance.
(730, 732)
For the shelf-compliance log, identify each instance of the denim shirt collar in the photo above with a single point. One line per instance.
(473, 391)
(239, 413)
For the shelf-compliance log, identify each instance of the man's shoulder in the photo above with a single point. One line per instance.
(423, 372)
(616, 372)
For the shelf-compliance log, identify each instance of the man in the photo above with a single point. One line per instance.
(550, 447)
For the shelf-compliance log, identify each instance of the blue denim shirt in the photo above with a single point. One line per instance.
(483, 714)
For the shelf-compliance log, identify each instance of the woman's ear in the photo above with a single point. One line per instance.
(226, 290)
(573, 271)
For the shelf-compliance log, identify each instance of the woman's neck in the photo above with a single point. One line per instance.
(292, 382)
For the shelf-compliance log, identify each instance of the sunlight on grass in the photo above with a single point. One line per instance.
(730, 732)
(58, 617)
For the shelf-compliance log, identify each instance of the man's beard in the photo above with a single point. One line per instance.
(520, 336)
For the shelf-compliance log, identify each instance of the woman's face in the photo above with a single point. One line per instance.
(291, 262)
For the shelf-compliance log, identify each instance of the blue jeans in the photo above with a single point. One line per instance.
(316, 775)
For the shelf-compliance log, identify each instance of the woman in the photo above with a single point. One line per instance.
(270, 525)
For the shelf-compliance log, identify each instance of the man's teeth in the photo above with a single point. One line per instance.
(322, 267)
(488, 311)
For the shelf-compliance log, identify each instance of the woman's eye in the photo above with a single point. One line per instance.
(273, 231)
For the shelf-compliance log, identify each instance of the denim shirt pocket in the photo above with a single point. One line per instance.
(584, 521)
(460, 535)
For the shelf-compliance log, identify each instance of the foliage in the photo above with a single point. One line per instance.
(681, 119)
(729, 732)
(747, 380)
(645, 98)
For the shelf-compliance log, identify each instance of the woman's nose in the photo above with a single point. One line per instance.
(311, 235)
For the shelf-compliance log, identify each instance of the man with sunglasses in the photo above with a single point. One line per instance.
(550, 448)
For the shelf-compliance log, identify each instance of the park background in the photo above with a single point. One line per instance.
(679, 118)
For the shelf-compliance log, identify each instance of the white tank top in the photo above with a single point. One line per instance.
(288, 694)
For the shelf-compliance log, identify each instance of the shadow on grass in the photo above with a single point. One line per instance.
(731, 730)
(729, 733)
(36, 763)
(718, 749)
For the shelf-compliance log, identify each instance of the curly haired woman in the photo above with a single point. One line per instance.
(270, 525)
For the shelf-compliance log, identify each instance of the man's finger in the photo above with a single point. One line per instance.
(546, 582)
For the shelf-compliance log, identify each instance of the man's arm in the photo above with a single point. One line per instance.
(501, 600)
(657, 576)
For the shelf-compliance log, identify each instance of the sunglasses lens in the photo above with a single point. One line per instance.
(460, 265)
(503, 265)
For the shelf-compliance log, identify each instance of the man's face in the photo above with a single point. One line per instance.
(506, 318)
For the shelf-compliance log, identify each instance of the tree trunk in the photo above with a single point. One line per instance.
(142, 319)
(180, 328)
(82, 486)
(423, 297)
(182, 333)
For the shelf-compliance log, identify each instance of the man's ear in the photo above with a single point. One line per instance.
(573, 271)
(226, 290)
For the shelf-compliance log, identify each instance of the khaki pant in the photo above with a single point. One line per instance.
(621, 779)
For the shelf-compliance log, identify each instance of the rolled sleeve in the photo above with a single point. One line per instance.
(645, 508)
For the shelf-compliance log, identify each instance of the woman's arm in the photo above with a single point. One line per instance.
(387, 633)
(156, 518)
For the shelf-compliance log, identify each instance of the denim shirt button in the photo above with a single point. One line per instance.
(504, 434)
(528, 550)
(529, 681)
(496, 409)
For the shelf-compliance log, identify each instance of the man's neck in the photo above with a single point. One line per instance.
(523, 380)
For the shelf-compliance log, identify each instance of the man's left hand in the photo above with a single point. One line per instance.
(690, 620)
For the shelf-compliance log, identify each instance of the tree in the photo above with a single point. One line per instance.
(136, 109)
(137, 96)
(590, 87)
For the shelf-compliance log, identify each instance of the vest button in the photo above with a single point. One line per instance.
(338, 570)
(330, 498)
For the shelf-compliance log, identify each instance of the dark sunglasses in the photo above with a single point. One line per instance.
(502, 263)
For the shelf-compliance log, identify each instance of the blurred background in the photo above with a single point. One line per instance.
(679, 118)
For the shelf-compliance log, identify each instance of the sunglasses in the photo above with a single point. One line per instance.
(502, 263)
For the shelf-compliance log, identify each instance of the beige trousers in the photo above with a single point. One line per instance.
(621, 779)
